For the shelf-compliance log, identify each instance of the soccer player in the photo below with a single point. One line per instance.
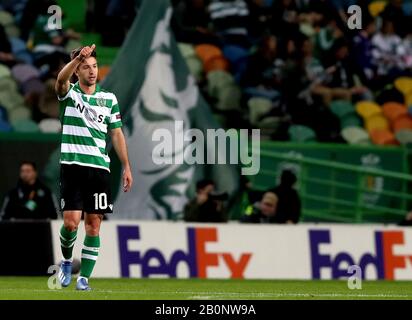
(88, 115)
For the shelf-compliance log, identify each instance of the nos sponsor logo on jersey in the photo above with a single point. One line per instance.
(90, 113)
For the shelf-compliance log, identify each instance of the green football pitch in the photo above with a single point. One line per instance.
(200, 289)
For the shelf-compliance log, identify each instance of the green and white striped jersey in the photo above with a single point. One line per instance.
(86, 119)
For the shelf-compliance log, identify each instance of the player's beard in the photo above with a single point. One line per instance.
(87, 83)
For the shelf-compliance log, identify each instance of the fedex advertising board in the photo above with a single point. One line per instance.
(307, 251)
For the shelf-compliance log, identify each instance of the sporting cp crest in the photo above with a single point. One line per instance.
(101, 102)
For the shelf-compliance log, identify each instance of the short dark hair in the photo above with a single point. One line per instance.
(288, 178)
(203, 183)
(30, 163)
(76, 52)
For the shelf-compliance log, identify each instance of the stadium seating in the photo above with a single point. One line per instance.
(366, 109)
(50, 125)
(404, 85)
(355, 135)
(403, 122)
(383, 137)
(376, 7)
(300, 133)
(404, 136)
(25, 125)
(376, 122)
(394, 110)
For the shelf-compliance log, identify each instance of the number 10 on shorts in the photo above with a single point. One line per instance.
(100, 201)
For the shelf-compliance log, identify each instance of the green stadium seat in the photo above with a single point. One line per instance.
(19, 113)
(258, 107)
(341, 108)
(350, 120)
(195, 67)
(404, 136)
(300, 133)
(12, 31)
(229, 98)
(186, 50)
(355, 135)
(6, 18)
(9, 96)
(26, 125)
(216, 80)
(72, 44)
(4, 71)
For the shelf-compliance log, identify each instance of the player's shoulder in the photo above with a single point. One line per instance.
(107, 94)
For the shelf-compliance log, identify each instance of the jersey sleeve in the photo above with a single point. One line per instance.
(115, 117)
(67, 94)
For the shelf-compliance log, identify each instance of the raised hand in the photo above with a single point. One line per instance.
(86, 52)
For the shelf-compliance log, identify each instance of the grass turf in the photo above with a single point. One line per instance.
(191, 289)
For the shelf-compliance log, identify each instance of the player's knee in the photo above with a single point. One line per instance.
(92, 227)
(92, 230)
(70, 225)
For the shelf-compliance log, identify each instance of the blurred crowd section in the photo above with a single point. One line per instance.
(292, 68)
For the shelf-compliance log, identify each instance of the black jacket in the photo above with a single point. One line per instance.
(289, 205)
(29, 202)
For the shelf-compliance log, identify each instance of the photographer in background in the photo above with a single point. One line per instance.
(263, 211)
(31, 199)
(207, 206)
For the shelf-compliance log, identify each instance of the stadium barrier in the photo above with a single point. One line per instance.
(350, 184)
(26, 248)
(307, 251)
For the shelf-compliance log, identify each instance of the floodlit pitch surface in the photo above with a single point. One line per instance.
(201, 289)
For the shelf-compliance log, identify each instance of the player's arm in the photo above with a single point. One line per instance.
(119, 144)
(62, 85)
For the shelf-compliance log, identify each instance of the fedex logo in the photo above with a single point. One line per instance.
(197, 258)
(383, 260)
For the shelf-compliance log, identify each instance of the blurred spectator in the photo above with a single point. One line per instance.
(230, 21)
(118, 17)
(244, 198)
(362, 47)
(6, 55)
(190, 23)
(31, 199)
(407, 221)
(264, 69)
(263, 211)
(29, 15)
(207, 206)
(389, 52)
(289, 204)
(345, 72)
(330, 31)
(308, 96)
(285, 18)
(260, 18)
(393, 11)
